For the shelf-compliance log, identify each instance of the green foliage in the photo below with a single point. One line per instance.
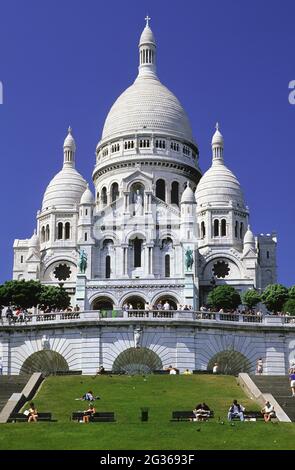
(274, 297)
(291, 292)
(251, 298)
(54, 297)
(225, 297)
(289, 306)
(23, 294)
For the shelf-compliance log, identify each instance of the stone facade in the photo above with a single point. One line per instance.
(151, 212)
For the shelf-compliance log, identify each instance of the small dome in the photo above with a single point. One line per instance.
(188, 195)
(249, 238)
(65, 189)
(87, 197)
(217, 138)
(70, 141)
(147, 36)
(219, 184)
(34, 240)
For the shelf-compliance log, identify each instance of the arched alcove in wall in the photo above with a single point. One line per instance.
(102, 303)
(136, 301)
(230, 362)
(166, 298)
(137, 361)
(46, 361)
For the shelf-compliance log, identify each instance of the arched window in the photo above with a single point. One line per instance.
(67, 230)
(160, 189)
(137, 243)
(216, 228)
(175, 193)
(108, 266)
(167, 265)
(104, 197)
(115, 191)
(236, 228)
(59, 230)
(241, 230)
(47, 234)
(43, 234)
(223, 228)
(203, 230)
(85, 237)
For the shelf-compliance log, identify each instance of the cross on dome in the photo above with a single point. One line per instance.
(217, 126)
(147, 19)
(69, 130)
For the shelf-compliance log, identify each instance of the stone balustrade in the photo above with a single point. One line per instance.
(146, 316)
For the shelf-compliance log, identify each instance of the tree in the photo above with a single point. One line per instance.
(225, 297)
(251, 298)
(23, 294)
(274, 297)
(291, 292)
(289, 306)
(54, 297)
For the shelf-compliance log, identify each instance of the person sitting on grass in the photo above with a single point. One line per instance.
(236, 411)
(88, 396)
(88, 414)
(268, 411)
(33, 413)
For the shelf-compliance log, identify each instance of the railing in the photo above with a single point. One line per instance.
(289, 320)
(145, 315)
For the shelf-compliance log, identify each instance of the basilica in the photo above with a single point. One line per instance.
(154, 228)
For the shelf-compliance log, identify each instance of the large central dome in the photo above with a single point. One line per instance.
(147, 104)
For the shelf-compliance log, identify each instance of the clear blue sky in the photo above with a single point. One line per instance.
(65, 62)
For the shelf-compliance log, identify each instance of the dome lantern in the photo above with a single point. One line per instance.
(217, 145)
(147, 51)
(69, 149)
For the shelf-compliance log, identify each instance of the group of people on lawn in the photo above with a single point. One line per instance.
(236, 410)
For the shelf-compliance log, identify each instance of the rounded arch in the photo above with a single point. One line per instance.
(114, 191)
(211, 259)
(171, 235)
(166, 296)
(135, 234)
(49, 271)
(230, 362)
(137, 301)
(131, 185)
(161, 189)
(137, 361)
(103, 302)
(48, 362)
(109, 235)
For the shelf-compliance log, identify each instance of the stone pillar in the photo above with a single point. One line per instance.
(81, 291)
(126, 202)
(125, 260)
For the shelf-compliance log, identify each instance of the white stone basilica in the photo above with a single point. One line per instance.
(152, 209)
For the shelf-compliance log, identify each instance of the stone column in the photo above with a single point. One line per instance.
(126, 202)
(125, 260)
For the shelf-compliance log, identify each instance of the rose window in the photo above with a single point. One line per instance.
(221, 269)
(62, 272)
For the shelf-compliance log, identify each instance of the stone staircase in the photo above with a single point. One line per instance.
(10, 384)
(279, 387)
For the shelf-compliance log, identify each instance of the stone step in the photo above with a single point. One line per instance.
(279, 387)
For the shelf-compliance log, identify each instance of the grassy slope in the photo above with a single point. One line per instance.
(125, 396)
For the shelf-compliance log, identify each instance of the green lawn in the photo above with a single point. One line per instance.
(162, 394)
